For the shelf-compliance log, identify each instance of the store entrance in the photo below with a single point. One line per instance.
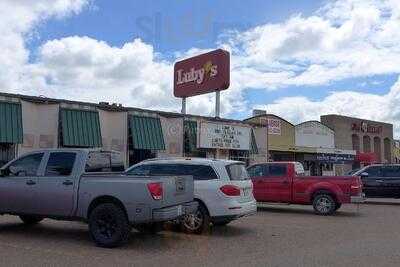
(7, 153)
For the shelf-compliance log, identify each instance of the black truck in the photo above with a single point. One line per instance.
(380, 180)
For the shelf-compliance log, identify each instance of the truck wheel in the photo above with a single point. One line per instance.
(197, 222)
(337, 206)
(150, 228)
(30, 220)
(109, 226)
(324, 204)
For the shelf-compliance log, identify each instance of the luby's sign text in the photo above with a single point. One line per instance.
(202, 74)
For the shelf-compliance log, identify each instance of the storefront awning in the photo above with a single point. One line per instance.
(146, 133)
(11, 123)
(366, 157)
(190, 129)
(253, 143)
(80, 128)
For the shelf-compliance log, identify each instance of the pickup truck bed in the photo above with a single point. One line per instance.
(284, 182)
(78, 184)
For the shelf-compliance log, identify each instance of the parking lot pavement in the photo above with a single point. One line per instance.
(276, 236)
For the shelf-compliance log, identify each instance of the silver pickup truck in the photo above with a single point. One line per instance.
(88, 185)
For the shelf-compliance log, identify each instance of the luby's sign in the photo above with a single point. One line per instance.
(202, 74)
(366, 128)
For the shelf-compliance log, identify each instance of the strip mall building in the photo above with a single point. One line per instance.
(333, 146)
(28, 123)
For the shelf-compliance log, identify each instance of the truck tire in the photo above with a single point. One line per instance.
(337, 206)
(196, 223)
(30, 220)
(108, 225)
(150, 228)
(324, 204)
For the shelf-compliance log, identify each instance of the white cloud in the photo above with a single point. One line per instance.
(344, 39)
(362, 105)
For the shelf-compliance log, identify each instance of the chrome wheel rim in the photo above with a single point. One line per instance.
(324, 205)
(193, 221)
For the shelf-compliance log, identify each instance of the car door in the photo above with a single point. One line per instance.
(277, 184)
(18, 187)
(391, 181)
(373, 181)
(57, 184)
(258, 175)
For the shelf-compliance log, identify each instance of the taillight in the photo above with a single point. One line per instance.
(230, 190)
(156, 190)
(356, 189)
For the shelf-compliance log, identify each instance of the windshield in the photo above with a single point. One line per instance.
(237, 172)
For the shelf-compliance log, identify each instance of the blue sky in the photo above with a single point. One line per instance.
(298, 59)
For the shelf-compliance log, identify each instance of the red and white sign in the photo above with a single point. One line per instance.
(366, 128)
(274, 126)
(202, 74)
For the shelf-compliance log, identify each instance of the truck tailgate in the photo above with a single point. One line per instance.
(176, 190)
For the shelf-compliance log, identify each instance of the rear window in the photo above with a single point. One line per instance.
(237, 172)
(199, 172)
(277, 170)
(104, 162)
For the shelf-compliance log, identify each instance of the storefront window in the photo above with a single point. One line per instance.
(7, 153)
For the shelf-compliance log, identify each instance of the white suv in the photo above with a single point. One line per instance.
(222, 188)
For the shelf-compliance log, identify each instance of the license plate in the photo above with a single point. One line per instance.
(180, 185)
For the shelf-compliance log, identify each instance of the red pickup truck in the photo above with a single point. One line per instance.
(285, 182)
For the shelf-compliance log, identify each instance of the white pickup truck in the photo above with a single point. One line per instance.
(79, 184)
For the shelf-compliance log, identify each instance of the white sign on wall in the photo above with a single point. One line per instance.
(224, 136)
(274, 126)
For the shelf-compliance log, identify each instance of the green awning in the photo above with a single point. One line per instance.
(146, 133)
(253, 143)
(80, 128)
(11, 123)
(190, 131)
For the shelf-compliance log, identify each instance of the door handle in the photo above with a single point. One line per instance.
(68, 182)
(379, 181)
(285, 182)
(30, 182)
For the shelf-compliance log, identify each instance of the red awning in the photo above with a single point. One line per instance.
(366, 157)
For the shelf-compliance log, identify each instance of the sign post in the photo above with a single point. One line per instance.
(217, 103)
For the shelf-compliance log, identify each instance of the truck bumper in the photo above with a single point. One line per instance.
(358, 199)
(174, 212)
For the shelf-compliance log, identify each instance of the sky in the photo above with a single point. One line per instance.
(296, 59)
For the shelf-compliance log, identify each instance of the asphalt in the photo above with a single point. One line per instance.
(276, 236)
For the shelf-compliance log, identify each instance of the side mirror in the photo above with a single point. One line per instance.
(364, 174)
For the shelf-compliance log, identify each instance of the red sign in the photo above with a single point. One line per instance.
(202, 74)
(366, 128)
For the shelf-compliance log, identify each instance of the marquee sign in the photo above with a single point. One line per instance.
(224, 136)
(202, 74)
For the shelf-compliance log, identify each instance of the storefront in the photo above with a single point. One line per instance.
(11, 133)
(29, 123)
(372, 140)
(315, 148)
(280, 138)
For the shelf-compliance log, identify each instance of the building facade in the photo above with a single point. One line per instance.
(28, 123)
(372, 140)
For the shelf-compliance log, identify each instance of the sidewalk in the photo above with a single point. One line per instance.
(382, 201)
